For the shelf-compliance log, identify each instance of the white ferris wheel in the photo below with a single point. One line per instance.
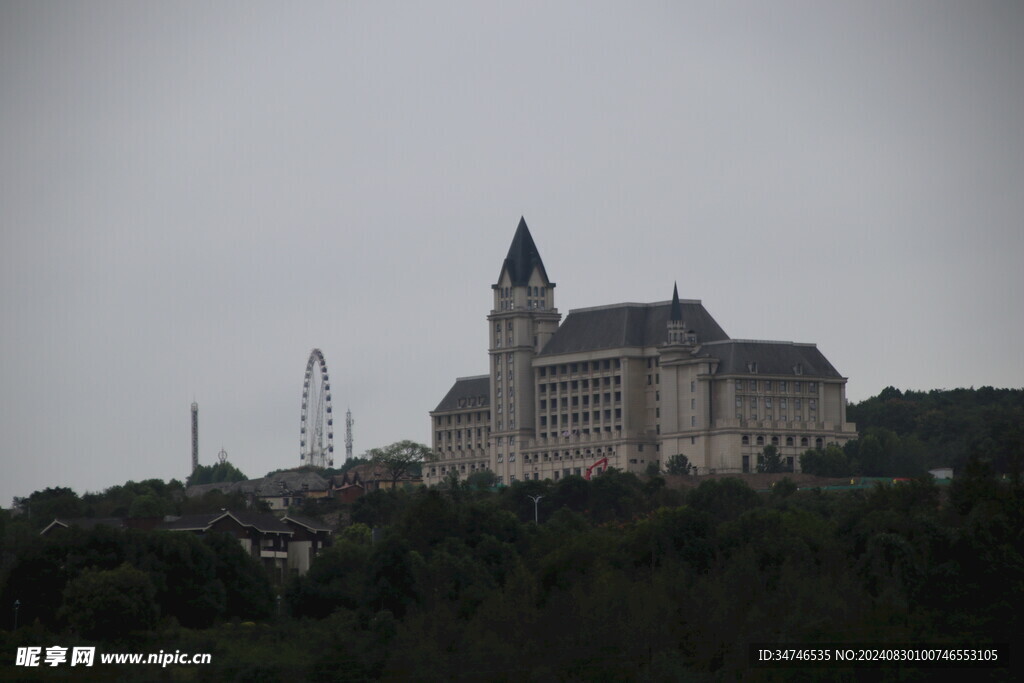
(316, 436)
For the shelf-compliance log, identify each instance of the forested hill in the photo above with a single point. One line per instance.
(951, 425)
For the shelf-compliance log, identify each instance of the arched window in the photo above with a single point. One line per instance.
(746, 440)
(760, 441)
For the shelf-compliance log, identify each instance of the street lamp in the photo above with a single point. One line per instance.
(535, 499)
(17, 604)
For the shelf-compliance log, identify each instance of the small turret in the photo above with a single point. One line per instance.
(676, 328)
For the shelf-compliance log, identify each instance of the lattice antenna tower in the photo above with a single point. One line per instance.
(195, 435)
(348, 434)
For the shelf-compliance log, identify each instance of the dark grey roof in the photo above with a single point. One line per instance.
(308, 522)
(772, 358)
(261, 521)
(633, 325)
(292, 480)
(199, 490)
(192, 522)
(522, 258)
(87, 523)
(475, 388)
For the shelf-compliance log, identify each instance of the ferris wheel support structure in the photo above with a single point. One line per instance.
(316, 430)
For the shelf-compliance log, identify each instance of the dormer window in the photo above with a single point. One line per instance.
(751, 366)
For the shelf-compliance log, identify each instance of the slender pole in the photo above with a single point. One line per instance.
(17, 604)
(535, 500)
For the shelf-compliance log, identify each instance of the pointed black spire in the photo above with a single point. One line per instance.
(676, 312)
(522, 257)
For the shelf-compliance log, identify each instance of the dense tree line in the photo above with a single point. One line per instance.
(622, 579)
(949, 427)
(149, 498)
(109, 583)
(904, 434)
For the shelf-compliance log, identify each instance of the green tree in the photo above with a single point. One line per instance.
(615, 495)
(724, 499)
(43, 506)
(353, 462)
(482, 479)
(832, 462)
(110, 603)
(678, 465)
(147, 505)
(401, 458)
(770, 461)
(337, 579)
(215, 474)
(248, 593)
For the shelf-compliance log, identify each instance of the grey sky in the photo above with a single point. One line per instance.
(194, 195)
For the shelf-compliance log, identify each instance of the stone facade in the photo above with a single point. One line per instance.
(625, 386)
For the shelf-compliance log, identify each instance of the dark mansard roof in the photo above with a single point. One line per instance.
(473, 392)
(736, 356)
(632, 325)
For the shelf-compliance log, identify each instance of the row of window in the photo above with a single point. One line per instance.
(565, 400)
(759, 440)
(457, 453)
(768, 402)
(797, 369)
(566, 433)
(460, 434)
(781, 386)
(584, 366)
(472, 401)
(506, 292)
(459, 468)
(480, 416)
(531, 304)
(576, 385)
(554, 420)
(783, 417)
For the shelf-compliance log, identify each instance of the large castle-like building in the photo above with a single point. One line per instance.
(624, 386)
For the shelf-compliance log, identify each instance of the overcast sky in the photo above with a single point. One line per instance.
(193, 195)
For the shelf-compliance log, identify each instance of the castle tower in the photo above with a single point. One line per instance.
(523, 319)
